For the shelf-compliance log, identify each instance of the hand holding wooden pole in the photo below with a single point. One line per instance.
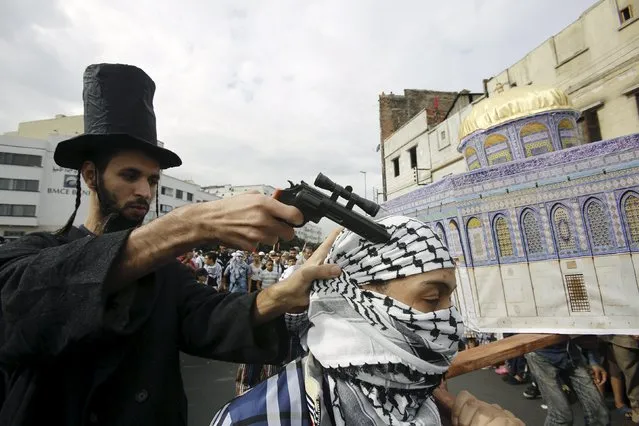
(487, 355)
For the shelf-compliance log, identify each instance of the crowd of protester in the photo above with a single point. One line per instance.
(243, 272)
(599, 372)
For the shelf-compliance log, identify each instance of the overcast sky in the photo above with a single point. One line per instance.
(265, 91)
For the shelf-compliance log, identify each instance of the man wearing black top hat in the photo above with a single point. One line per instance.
(93, 318)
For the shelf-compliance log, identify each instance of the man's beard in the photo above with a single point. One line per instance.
(113, 218)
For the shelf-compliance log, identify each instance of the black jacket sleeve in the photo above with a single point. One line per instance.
(220, 326)
(52, 292)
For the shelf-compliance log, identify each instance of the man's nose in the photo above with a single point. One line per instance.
(143, 190)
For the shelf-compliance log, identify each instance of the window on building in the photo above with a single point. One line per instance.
(17, 210)
(19, 185)
(598, 225)
(179, 194)
(442, 135)
(631, 214)
(165, 208)
(413, 157)
(189, 197)
(577, 293)
(625, 14)
(439, 229)
(14, 159)
(504, 241)
(590, 125)
(532, 236)
(563, 230)
(167, 191)
(396, 166)
(455, 246)
(476, 240)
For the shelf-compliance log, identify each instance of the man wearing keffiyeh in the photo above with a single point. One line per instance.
(380, 338)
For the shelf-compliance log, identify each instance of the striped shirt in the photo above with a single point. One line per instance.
(280, 400)
(269, 277)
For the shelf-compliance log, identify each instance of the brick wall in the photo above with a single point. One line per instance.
(395, 110)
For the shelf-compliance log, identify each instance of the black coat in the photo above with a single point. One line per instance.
(70, 356)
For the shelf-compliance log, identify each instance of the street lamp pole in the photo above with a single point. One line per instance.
(365, 191)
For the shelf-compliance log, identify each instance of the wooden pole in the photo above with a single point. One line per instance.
(491, 354)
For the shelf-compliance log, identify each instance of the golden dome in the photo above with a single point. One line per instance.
(512, 104)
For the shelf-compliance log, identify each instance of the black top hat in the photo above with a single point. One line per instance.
(118, 114)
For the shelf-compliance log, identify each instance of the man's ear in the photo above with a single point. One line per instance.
(89, 174)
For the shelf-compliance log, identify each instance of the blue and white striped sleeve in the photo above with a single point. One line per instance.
(222, 417)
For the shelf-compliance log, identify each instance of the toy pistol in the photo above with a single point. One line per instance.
(315, 204)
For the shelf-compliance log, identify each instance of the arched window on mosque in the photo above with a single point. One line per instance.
(455, 246)
(564, 235)
(568, 133)
(532, 233)
(439, 230)
(497, 149)
(504, 240)
(471, 158)
(476, 240)
(535, 138)
(631, 217)
(598, 225)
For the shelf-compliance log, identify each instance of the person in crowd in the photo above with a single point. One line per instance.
(551, 365)
(295, 251)
(291, 266)
(94, 317)
(224, 256)
(307, 252)
(380, 338)
(624, 354)
(201, 276)
(187, 260)
(277, 264)
(269, 275)
(237, 273)
(198, 259)
(255, 279)
(213, 268)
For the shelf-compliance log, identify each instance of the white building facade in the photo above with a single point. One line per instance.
(418, 154)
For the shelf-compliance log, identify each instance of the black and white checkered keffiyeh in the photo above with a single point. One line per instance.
(382, 359)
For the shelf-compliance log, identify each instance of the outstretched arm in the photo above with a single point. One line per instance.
(55, 291)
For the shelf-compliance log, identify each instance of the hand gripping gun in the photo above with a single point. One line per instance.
(315, 205)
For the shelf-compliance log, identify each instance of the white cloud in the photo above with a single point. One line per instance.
(252, 92)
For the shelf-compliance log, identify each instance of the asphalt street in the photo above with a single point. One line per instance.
(210, 384)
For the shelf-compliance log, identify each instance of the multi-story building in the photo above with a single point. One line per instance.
(594, 61)
(420, 152)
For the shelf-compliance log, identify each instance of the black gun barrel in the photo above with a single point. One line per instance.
(369, 207)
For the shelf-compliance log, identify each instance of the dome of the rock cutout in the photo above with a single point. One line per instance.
(513, 104)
